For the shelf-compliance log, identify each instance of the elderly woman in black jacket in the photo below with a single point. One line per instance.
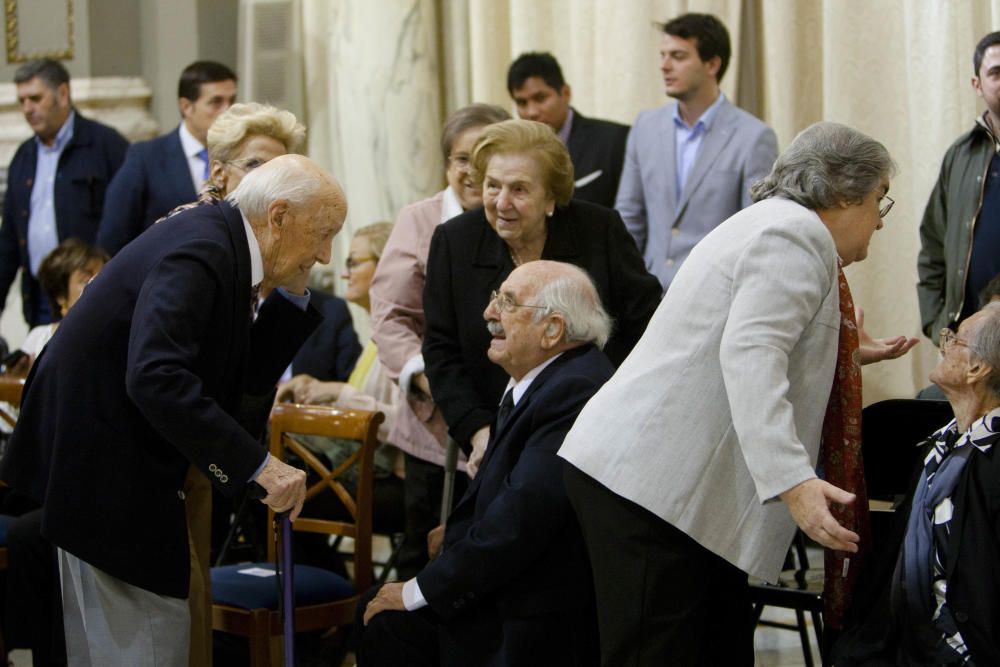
(527, 214)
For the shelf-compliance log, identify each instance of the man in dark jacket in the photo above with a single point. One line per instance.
(959, 237)
(512, 585)
(158, 367)
(55, 183)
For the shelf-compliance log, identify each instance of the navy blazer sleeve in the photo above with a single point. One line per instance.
(522, 521)
(10, 254)
(122, 219)
(165, 342)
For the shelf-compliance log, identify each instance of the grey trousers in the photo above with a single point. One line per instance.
(109, 622)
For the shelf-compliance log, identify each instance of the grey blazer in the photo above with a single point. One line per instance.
(719, 407)
(737, 150)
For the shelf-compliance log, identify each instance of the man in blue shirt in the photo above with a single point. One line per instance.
(55, 183)
(689, 165)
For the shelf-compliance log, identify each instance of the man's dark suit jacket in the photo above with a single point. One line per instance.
(597, 145)
(332, 350)
(154, 179)
(467, 261)
(86, 166)
(513, 583)
(156, 368)
(973, 576)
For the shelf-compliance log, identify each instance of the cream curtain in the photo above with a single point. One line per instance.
(382, 76)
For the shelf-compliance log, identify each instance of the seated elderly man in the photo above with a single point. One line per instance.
(512, 584)
(938, 599)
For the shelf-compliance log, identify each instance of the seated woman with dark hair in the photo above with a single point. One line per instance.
(63, 274)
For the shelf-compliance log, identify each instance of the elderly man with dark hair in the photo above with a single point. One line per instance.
(511, 585)
(55, 183)
(159, 366)
(597, 147)
(717, 414)
(163, 173)
(936, 599)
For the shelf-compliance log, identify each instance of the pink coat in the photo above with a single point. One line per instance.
(397, 309)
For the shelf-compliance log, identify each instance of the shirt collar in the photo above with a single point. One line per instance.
(256, 259)
(567, 127)
(521, 387)
(192, 147)
(450, 206)
(63, 136)
(706, 118)
(981, 434)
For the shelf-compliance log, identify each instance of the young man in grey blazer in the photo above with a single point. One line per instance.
(689, 165)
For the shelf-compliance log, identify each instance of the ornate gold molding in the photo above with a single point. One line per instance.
(13, 43)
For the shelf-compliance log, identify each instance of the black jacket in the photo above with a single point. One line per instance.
(156, 368)
(597, 146)
(467, 261)
(513, 583)
(86, 167)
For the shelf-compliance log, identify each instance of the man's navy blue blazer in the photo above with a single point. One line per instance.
(156, 368)
(514, 570)
(153, 180)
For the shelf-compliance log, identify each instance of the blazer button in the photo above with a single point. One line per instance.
(961, 616)
(218, 473)
(670, 261)
(180, 494)
(212, 467)
(224, 479)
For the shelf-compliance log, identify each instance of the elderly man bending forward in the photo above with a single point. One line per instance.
(158, 367)
(512, 585)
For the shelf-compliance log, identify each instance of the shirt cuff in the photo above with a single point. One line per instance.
(300, 300)
(253, 477)
(413, 599)
(413, 366)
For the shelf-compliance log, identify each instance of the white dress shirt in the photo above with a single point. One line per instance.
(192, 147)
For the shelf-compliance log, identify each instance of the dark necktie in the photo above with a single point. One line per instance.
(506, 405)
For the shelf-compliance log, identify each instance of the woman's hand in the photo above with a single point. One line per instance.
(880, 349)
(315, 392)
(292, 391)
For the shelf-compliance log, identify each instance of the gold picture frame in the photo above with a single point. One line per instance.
(15, 55)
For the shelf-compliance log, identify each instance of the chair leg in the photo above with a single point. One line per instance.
(818, 629)
(804, 637)
(758, 609)
(260, 638)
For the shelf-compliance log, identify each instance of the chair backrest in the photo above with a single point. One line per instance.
(11, 389)
(290, 420)
(890, 433)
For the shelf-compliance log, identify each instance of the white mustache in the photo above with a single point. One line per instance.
(495, 328)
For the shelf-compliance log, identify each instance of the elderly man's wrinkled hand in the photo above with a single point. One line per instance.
(480, 440)
(809, 503)
(285, 486)
(389, 598)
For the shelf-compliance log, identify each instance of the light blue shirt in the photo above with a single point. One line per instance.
(688, 140)
(43, 237)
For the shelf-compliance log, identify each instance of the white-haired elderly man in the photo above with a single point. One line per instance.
(160, 366)
(511, 584)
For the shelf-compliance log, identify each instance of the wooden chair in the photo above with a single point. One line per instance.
(247, 605)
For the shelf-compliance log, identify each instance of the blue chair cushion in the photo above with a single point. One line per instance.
(232, 585)
(5, 521)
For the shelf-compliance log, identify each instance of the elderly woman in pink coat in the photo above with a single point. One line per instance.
(397, 310)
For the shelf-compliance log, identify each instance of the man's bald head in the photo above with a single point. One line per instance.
(295, 208)
(542, 309)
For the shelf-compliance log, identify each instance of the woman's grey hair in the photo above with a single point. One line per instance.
(985, 343)
(466, 118)
(260, 187)
(827, 164)
(248, 119)
(575, 297)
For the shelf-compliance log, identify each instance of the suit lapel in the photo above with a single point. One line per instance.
(715, 140)
(241, 248)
